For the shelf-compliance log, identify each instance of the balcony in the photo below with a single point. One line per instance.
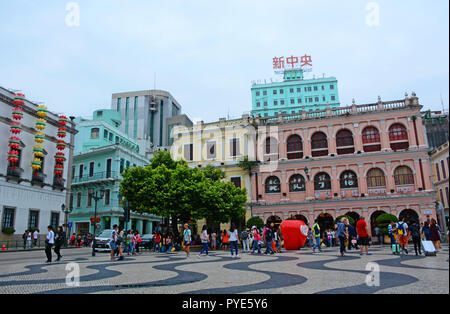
(14, 172)
(58, 183)
(96, 177)
(38, 178)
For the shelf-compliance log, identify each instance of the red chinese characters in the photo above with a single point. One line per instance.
(291, 62)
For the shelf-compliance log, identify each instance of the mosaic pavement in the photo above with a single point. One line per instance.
(287, 273)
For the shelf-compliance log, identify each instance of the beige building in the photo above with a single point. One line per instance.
(440, 166)
(222, 144)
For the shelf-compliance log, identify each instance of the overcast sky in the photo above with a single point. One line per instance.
(206, 53)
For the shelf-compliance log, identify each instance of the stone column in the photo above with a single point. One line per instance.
(384, 137)
(139, 225)
(390, 184)
(149, 226)
(331, 142)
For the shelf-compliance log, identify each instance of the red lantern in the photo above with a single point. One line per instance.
(14, 142)
(59, 169)
(62, 120)
(59, 157)
(19, 99)
(61, 145)
(13, 156)
(16, 127)
(17, 113)
(98, 219)
(92, 219)
(62, 132)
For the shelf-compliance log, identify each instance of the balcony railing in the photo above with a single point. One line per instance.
(98, 176)
(38, 177)
(15, 172)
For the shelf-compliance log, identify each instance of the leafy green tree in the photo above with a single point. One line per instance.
(255, 221)
(172, 189)
(350, 219)
(384, 220)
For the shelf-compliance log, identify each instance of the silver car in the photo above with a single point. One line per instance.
(102, 241)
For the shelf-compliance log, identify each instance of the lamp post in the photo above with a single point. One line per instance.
(96, 199)
(66, 211)
(126, 212)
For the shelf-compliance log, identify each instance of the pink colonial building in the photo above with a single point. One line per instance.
(361, 160)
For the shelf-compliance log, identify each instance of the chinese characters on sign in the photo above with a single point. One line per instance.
(291, 63)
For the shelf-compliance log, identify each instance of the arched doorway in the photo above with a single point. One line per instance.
(409, 215)
(325, 221)
(302, 218)
(355, 216)
(275, 219)
(373, 223)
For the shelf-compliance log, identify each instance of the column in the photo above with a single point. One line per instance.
(412, 134)
(357, 138)
(362, 182)
(390, 184)
(139, 225)
(417, 176)
(306, 141)
(149, 226)
(331, 142)
(335, 186)
(282, 149)
(384, 137)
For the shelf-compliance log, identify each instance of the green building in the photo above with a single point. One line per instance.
(102, 152)
(294, 95)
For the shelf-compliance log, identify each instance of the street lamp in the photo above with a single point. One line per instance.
(307, 171)
(96, 198)
(66, 211)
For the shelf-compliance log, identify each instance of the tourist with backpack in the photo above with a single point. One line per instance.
(402, 231)
(316, 234)
(414, 229)
(268, 236)
(245, 239)
(342, 234)
(256, 239)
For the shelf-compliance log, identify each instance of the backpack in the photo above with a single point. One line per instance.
(269, 234)
(400, 230)
(244, 235)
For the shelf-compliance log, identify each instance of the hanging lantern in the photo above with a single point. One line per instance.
(63, 120)
(61, 145)
(59, 157)
(13, 156)
(19, 99)
(16, 127)
(59, 168)
(39, 137)
(42, 111)
(36, 164)
(38, 151)
(14, 142)
(62, 132)
(17, 113)
(41, 124)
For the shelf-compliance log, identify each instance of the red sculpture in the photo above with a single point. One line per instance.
(295, 233)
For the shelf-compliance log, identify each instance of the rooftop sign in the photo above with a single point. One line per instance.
(281, 64)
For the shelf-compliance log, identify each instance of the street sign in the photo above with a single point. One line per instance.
(98, 226)
(70, 224)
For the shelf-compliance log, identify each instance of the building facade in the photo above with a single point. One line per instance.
(31, 198)
(102, 153)
(440, 167)
(361, 160)
(294, 95)
(144, 117)
(222, 144)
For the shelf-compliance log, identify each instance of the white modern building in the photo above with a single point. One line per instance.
(29, 199)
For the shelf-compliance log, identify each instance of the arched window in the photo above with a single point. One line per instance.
(297, 183)
(376, 178)
(273, 185)
(319, 144)
(371, 139)
(398, 137)
(344, 142)
(95, 132)
(271, 149)
(322, 181)
(348, 180)
(403, 175)
(294, 147)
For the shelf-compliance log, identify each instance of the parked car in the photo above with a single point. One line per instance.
(102, 241)
(147, 241)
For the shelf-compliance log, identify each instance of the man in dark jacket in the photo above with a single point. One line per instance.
(414, 229)
(352, 235)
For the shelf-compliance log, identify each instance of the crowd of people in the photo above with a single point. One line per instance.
(344, 234)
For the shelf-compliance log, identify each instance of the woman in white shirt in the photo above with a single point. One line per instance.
(234, 241)
(204, 237)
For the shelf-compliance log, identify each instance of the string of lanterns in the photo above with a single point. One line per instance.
(39, 137)
(60, 158)
(16, 129)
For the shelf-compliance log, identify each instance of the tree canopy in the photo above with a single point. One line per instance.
(171, 188)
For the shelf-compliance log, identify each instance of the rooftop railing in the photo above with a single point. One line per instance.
(98, 176)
